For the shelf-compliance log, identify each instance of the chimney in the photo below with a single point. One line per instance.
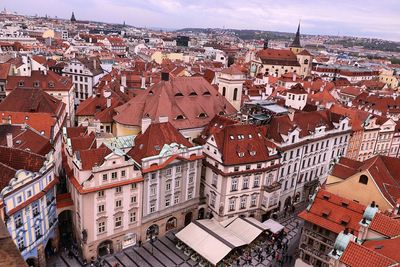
(163, 119)
(294, 76)
(143, 82)
(164, 76)
(291, 114)
(145, 124)
(94, 63)
(109, 102)
(9, 138)
(122, 88)
(123, 80)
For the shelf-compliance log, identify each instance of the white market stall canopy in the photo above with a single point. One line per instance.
(214, 240)
(273, 226)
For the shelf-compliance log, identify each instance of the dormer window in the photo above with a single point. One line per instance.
(179, 117)
(250, 136)
(179, 94)
(240, 136)
(240, 154)
(151, 92)
(202, 115)
(232, 137)
(20, 83)
(36, 84)
(193, 94)
(207, 93)
(51, 84)
(252, 153)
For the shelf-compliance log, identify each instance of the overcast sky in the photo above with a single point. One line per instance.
(369, 18)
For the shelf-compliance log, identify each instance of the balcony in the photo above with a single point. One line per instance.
(273, 187)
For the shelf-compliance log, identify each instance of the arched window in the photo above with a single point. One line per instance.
(363, 179)
(305, 61)
(223, 91)
(180, 117)
(235, 92)
(202, 115)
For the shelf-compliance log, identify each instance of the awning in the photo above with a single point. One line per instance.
(244, 230)
(273, 226)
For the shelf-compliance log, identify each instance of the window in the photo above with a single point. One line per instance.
(114, 175)
(253, 200)
(178, 169)
(168, 171)
(213, 199)
(177, 183)
(133, 199)
(101, 227)
(37, 231)
(132, 217)
(18, 221)
(256, 181)
(235, 94)
(243, 201)
(190, 193)
(245, 182)
(29, 193)
(236, 168)
(101, 208)
(118, 203)
(153, 190)
(20, 242)
(363, 179)
(214, 180)
(35, 210)
(176, 199)
(259, 165)
(152, 207)
(234, 184)
(118, 189)
(133, 186)
(153, 176)
(191, 178)
(168, 186)
(123, 174)
(223, 91)
(118, 221)
(19, 199)
(232, 204)
(167, 202)
(105, 178)
(100, 193)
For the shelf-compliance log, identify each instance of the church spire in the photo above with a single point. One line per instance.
(296, 41)
(73, 19)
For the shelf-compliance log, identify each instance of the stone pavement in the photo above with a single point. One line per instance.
(163, 252)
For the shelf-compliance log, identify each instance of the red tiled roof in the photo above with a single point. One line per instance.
(76, 131)
(4, 70)
(50, 82)
(32, 100)
(41, 122)
(356, 255)
(13, 159)
(83, 142)
(154, 138)
(242, 143)
(326, 201)
(215, 125)
(386, 247)
(25, 138)
(385, 225)
(93, 157)
(188, 102)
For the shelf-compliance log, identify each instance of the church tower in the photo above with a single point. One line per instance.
(295, 47)
(230, 85)
(73, 19)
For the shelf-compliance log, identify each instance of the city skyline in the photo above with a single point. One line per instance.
(345, 18)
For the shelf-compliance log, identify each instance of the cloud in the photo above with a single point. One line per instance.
(369, 18)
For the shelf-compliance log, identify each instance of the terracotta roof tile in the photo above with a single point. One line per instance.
(356, 255)
(385, 225)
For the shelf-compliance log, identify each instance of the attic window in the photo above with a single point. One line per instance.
(240, 136)
(207, 93)
(20, 83)
(252, 153)
(36, 84)
(221, 113)
(193, 94)
(240, 154)
(250, 136)
(26, 118)
(345, 204)
(202, 115)
(179, 117)
(151, 92)
(157, 148)
(232, 137)
(326, 197)
(326, 212)
(179, 94)
(51, 84)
